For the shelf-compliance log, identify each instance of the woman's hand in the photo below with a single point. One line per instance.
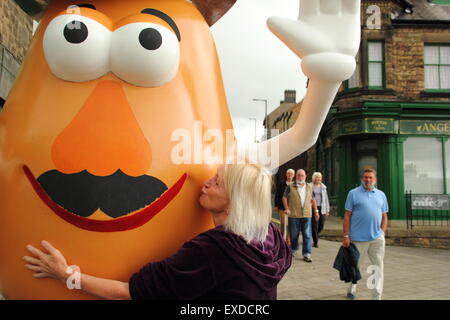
(52, 265)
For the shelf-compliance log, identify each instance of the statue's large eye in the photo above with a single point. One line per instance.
(145, 54)
(77, 48)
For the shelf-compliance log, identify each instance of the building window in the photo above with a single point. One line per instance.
(437, 67)
(447, 163)
(355, 80)
(331, 170)
(375, 69)
(366, 151)
(423, 160)
(336, 172)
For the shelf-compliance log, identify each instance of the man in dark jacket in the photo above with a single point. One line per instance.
(281, 187)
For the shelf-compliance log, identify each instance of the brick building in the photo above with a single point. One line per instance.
(281, 119)
(394, 113)
(16, 29)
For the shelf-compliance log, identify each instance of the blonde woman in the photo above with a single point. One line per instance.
(243, 257)
(320, 195)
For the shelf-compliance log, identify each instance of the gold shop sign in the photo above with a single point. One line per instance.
(433, 127)
(368, 125)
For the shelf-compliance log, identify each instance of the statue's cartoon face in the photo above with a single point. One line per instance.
(86, 138)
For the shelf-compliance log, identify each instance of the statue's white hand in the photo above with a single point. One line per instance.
(326, 37)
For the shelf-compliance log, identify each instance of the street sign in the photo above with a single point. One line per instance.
(429, 202)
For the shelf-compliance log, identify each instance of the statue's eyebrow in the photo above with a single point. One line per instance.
(86, 5)
(166, 18)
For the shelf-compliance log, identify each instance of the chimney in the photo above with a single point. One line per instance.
(290, 96)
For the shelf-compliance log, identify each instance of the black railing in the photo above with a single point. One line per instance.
(427, 210)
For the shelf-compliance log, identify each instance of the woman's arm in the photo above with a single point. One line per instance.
(54, 265)
(327, 201)
(315, 209)
(105, 288)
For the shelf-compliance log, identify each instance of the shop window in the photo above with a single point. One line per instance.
(366, 155)
(423, 162)
(335, 171)
(375, 69)
(437, 67)
(447, 163)
(366, 162)
(355, 80)
(331, 170)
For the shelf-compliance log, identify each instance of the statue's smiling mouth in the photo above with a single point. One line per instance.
(74, 197)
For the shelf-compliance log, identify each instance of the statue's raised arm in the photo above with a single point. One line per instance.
(326, 38)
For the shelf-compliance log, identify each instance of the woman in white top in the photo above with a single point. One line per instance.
(323, 205)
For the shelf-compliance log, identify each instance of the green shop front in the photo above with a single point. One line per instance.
(407, 143)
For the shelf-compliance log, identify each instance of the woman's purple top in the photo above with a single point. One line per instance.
(216, 264)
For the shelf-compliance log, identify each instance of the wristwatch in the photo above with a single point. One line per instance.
(346, 236)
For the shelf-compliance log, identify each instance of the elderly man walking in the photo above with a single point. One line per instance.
(365, 224)
(298, 204)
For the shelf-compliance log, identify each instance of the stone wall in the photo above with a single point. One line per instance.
(404, 59)
(408, 60)
(16, 29)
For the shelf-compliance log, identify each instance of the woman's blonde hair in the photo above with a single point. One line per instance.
(248, 187)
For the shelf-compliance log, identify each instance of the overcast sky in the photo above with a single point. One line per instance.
(255, 63)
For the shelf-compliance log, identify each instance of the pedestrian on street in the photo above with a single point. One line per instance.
(290, 174)
(299, 204)
(323, 205)
(365, 225)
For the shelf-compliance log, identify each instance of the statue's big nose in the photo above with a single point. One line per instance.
(103, 137)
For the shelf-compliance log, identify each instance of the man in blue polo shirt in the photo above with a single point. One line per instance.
(365, 224)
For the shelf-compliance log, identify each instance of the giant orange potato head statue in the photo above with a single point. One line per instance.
(86, 135)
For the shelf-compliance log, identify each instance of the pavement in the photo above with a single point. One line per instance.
(410, 274)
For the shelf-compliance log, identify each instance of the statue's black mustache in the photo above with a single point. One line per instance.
(116, 195)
